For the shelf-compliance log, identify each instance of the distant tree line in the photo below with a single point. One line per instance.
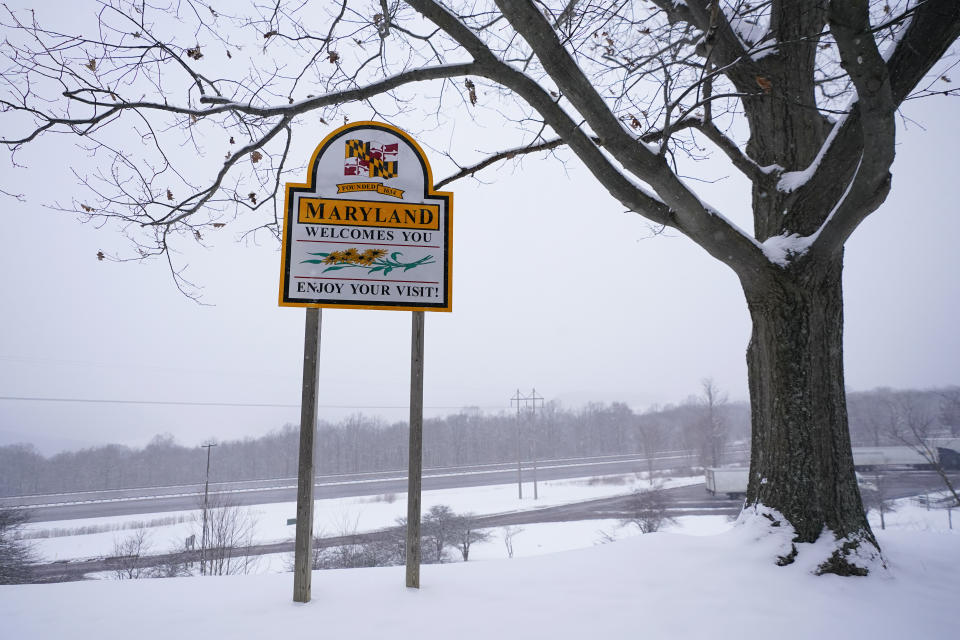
(704, 423)
(889, 417)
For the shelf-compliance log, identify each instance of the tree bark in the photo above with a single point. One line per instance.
(801, 462)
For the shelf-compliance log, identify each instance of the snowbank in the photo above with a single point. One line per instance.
(662, 585)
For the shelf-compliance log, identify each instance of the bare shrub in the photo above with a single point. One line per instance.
(388, 498)
(509, 532)
(605, 537)
(64, 532)
(128, 556)
(176, 564)
(435, 532)
(348, 549)
(606, 480)
(226, 542)
(375, 552)
(465, 533)
(648, 511)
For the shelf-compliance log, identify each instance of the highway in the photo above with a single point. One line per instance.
(93, 504)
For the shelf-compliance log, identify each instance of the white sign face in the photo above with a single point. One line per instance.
(367, 230)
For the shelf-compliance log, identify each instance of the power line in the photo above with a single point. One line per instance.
(188, 403)
(155, 402)
(141, 365)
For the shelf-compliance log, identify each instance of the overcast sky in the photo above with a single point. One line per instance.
(555, 287)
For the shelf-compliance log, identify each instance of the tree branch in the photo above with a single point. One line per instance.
(754, 172)
(708, 229)
(725, 47)
(506, 154)
(487, 65)
(224, 105)
(864, 142)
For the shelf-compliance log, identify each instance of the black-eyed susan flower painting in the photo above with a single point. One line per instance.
(374, 260)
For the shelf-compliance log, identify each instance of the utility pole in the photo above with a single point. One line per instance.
(518, 399)
(206, 494)
(534, 398)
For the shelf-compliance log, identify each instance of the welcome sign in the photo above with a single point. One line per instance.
(367, 230)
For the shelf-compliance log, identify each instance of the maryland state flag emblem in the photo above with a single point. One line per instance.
(370, 160)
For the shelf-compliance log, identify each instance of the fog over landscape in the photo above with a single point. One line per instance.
(584, 308)
(699, 377)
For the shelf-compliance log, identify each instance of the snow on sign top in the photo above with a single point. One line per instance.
(367, 230)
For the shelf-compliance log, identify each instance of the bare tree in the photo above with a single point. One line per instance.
(950, 410)
(873, 415)
(910, 424)
(711, 426)
(510, 532)
(438, 531)
(16, 556)
(651, 437)
(230, 530)
(465, 534)
(128, 556)
(648, 511)
(797, 96)
(876, 497)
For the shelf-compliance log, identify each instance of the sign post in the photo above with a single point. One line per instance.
(303, 543)
(365, 231)
(415, 469)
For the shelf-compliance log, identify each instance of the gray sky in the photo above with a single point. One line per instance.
(554, 287)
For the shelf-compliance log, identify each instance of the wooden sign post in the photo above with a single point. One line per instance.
(303, 543)
(365, 231)
(415, 469)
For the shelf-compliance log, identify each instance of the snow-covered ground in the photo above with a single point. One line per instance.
(167, 531)
(662, 585)
(703, 577)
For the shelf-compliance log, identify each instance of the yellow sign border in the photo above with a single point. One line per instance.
(430, 192)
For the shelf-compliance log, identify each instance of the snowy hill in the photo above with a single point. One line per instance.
(662, 585)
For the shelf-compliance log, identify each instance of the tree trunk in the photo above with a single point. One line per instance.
(801, 460)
